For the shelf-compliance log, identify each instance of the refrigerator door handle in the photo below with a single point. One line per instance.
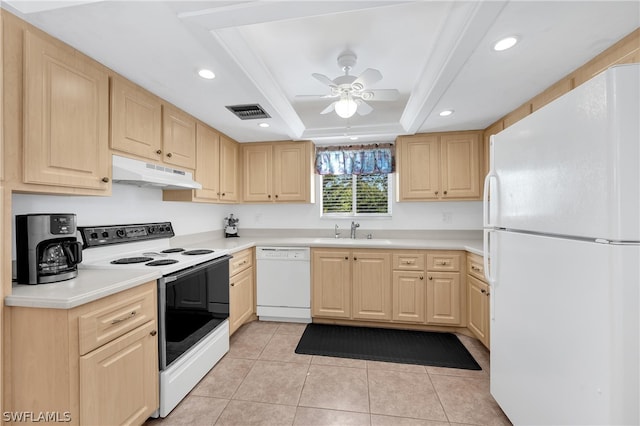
(487, 247)
(489, 264)
(489, 197)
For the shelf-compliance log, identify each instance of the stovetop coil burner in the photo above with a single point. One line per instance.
(173, 250)
(197, 252)
(161, 262)
(128, 260)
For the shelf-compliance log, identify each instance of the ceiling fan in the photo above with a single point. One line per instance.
(351, 91)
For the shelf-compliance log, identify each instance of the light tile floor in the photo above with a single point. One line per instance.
(262, 381)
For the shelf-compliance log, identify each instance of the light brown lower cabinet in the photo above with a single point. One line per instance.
(403, 286)
(242, 304)
(478, 299)
(96, 364)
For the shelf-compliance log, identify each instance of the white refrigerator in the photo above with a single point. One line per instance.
(562, 257)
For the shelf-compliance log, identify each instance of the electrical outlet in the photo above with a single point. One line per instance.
(447, 217)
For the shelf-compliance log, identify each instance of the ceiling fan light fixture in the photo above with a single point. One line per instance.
(346, 107)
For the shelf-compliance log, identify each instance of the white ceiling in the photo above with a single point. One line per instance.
(437, 54)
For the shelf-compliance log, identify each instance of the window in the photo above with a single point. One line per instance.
(356, 195)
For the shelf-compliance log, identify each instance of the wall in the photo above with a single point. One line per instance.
(130, 204)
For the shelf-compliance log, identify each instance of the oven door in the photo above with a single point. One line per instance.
(191, 304)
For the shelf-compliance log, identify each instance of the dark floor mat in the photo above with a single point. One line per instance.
(381, 344)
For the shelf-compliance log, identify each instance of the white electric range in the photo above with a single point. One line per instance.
(193, 298)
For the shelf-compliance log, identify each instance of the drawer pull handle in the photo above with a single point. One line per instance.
(119, 320)
(169, 155)
(409, 262)
(483, 291)
(475, 268)
(233, 284)
(159, 151)
(153, 332)
(430, 278)
(105, 179)
(421, 277)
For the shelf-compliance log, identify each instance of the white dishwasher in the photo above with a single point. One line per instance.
(283, 284)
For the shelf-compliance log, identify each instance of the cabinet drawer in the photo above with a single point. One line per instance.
(475, 266)
(408, 261)
(107, 319)
(241, 261)
(443, 261)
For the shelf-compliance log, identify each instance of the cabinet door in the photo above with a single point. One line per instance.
(443, 298)
(331, 283)
(257, 165)
(241, 305)
(478, 300)
(207, 160)
(409, 296)
(291, 172)
(178, 138)
(66, 117)
(371, 285)
(229, 161)
(460, 165)
(136, 120)
(419, 168)
(119, 381)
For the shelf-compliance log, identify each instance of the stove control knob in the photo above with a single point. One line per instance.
(105, 234)
(120, 233)
(93, 235)
(151, 230)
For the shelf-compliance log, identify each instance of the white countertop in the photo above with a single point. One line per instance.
(89, 285)
(93, 284)
(241, 243)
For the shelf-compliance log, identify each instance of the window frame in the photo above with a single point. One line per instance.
(353, 213)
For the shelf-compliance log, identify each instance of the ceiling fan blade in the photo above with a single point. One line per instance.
(363, 107)
(324, 79)
(382, 95)
(328, 109)
(367, 78)
(315, 96)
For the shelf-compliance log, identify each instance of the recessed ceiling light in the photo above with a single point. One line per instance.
(353, 138)
(505, 43)
(207, 74)
(446, 112)
(263, 124)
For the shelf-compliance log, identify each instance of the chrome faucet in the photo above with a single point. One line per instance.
(337, 234)
(353, 229)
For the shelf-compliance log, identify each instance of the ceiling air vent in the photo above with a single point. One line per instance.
(248, 112)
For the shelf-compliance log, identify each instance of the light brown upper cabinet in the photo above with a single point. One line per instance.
(136, 120)
(229, 170)
(178, 137)
(216, 169)
(145, 126)
(66, 119)
(277, 172)
(439, 166)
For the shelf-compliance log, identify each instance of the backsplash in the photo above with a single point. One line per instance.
(130, 204)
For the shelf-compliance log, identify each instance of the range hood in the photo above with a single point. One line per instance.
(135, 172)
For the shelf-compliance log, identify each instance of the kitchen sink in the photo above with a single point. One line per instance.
(352, 242)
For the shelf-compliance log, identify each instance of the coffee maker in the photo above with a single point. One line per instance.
(47, 250)
(231, 226)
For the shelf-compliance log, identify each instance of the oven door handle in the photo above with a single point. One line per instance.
(172, 278)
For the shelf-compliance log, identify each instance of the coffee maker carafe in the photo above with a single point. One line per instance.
(47, 250)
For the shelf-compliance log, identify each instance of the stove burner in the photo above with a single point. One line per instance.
(173, 250)
(161, 262)
(127, 260)
(196, 252)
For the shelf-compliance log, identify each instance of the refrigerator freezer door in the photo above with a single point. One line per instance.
(571, 168)
(564, 336)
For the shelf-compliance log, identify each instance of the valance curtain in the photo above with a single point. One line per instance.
(355, 159)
